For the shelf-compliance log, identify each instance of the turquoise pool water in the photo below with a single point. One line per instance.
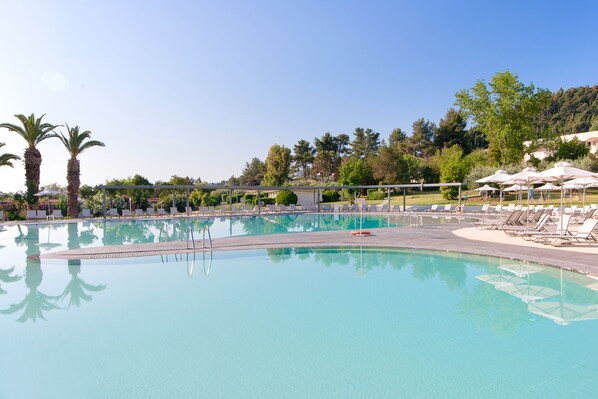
(291, 323)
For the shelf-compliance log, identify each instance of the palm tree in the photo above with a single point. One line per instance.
(34, 132)
(75, 144)
(6, 159)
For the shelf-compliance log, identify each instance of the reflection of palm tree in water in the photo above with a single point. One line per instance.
(35, 302)
(7, 277)
(77, 289)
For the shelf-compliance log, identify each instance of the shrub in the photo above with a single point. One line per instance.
(286, 197)
(374, 194)
(330, 196)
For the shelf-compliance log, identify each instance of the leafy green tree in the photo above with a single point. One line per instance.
(504, 110)
(75, 144)
(34, 132)
(327, 159)
(452, 170)
(303, 156)
(6, 159)
(366, 142)
(570, 111)
(354, 172)
(388, 166)
(278, 165)
(452, 130)
(571, 150)
(420, 142)
(253, 172)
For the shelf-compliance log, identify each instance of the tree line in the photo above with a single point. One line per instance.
(488, 126)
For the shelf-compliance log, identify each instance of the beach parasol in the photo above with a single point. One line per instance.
(561, 172)
(486, 187)
(526, 176)
(582, 183)
(500, 176)
(47, 193)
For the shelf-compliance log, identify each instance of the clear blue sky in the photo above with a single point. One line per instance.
(198, 88)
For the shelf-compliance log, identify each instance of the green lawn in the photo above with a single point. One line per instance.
(474, 198)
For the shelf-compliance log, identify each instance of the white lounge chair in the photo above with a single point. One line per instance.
(42, 214)
(57, 214)
(433, 208)
(447, 208)
(85, 213)
(585, 234)
(31, 215)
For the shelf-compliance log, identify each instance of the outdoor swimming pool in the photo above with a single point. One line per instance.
(356, 322)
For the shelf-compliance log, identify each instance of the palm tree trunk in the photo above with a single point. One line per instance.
(73, 178)
(33, 162)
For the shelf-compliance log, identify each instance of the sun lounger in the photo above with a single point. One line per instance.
(41, 214)
(447, 208)
(327, 207)
(396, 208)
(174, 211)
(585, 234)
(561, 230)
(162, 212)
(31, 215)
(85, 213)
(113, 213)
(150, 212)
(373, 208)
(57, 214)
(518, 230)
(511, 219)
(433, 208)
(1, 215)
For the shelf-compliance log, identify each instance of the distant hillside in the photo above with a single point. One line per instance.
(573, 110)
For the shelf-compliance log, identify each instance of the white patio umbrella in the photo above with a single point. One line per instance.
(582, 183)
(548, 187)
(561, 172)
(500, 176)
(516, 187)
(47, 193)
(527, 176)
(486, 187)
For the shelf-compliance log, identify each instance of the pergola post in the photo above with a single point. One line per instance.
(104, 201)
(259, 203)
(388, 210)
(404, 199)
(230, 199)
(187, 206)
(459, 194)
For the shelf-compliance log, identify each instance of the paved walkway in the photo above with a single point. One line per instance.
(447, 237)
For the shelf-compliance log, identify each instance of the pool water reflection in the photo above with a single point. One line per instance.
(338, 322)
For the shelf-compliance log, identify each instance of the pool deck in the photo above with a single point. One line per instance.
(452, 237)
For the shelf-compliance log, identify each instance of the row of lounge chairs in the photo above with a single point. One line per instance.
(540, 225)
(42, 214)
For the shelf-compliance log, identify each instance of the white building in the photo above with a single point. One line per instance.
(590, 138)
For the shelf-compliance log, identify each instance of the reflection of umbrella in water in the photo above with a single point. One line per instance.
(521, 269)
(500, 280)
(529, 293)
(48, 245)
(563, 313)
